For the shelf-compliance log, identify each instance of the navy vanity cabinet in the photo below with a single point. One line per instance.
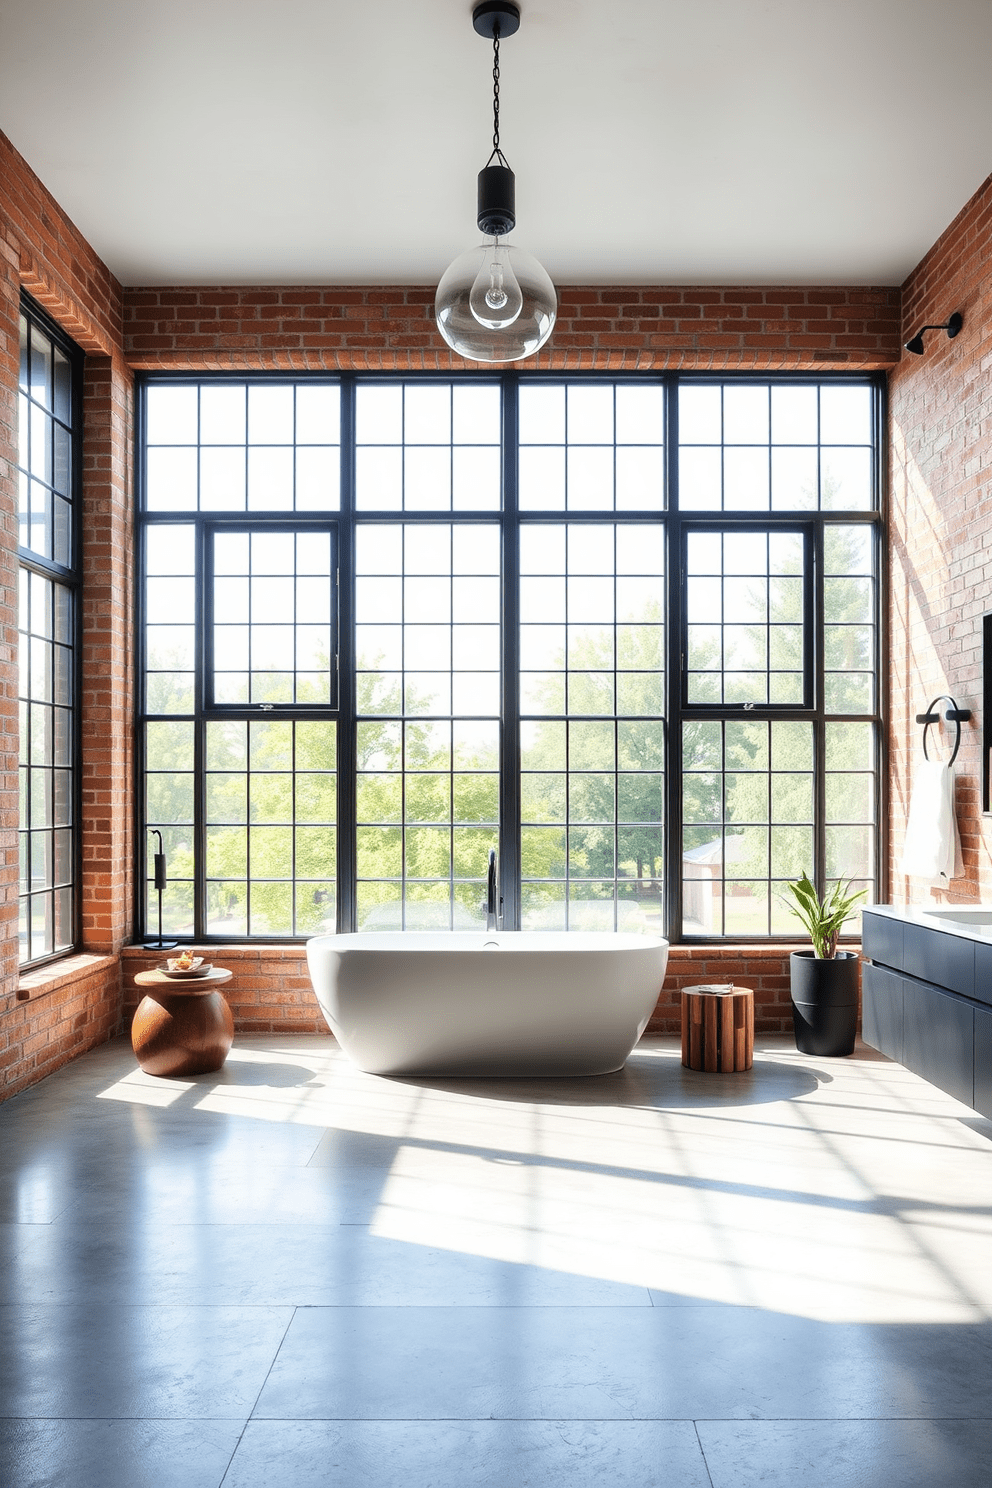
(983, 974)
(927, 1001)
(882, 939)
(882, 1010)
(983, 1062)
(939, 1039)
(939, 958)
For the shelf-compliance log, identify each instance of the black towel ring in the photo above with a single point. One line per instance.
(954, 715)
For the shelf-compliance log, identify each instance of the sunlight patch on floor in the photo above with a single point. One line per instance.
(145, 1090)
(686, 1240)
(834, 1190)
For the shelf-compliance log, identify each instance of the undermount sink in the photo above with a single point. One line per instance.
(964, 914)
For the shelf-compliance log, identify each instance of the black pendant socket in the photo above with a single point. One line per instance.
(497, 204)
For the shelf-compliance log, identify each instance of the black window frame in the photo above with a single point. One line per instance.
(71, 579)
(691, 522)
(208, 525)
(511, 519)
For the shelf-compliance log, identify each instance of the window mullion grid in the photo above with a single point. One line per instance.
(56, 576)
(769, 799)
(723, 826)
(26, 753)
(76, 783)
(812, 710)
(404, 774)
(25, 770)
(347, 734)
(616, 703)
(404, 766)
(509, 783)
(293, 785)
(882, 713)
(817, 642)
(567, 813)
(76, 604)
(139, 768)
(203, 609)
(451, 824)
(674, 656)
(677, 709)
(451, 724)
(249, 842)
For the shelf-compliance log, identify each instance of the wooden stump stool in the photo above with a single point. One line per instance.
(182, 1028)
(717, 1028)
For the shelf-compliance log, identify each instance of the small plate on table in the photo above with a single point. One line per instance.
(200, 968)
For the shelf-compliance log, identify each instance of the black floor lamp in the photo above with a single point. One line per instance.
(161, 880)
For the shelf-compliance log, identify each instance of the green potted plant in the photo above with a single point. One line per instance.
(823, 981)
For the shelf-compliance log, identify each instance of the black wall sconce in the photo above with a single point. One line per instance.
(161, 880)
(951, 326)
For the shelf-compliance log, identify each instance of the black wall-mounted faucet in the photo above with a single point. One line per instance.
(494, 902)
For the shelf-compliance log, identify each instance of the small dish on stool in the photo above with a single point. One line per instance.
(199, 968)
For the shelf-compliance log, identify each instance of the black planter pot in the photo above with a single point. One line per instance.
(824, 1002)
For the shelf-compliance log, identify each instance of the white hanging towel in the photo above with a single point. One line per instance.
(932, 848)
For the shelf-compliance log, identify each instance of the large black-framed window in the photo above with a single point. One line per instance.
(49, 573)
(626, 630)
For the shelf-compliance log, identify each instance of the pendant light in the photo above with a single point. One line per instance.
(496, 303)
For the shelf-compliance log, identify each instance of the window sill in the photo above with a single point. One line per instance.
(58, 974)
(245, 950)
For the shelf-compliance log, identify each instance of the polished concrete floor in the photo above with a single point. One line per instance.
(291, 1274)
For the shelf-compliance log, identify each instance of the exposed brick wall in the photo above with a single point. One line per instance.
(765, 969)
(67, 1007)
(107, 702)
(624, 329)
(46, 253)
(941, 528)
(270, 991)
(64, 1011)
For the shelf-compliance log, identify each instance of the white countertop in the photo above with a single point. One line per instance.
(941, 918)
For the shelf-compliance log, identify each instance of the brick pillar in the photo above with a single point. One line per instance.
(106, 703)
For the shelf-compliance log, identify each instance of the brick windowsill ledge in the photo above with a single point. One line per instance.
(55, 975)
(270, 948)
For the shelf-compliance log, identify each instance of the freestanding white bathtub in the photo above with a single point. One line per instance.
(487, 1002)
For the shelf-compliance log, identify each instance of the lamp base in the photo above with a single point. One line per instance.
(159, 945)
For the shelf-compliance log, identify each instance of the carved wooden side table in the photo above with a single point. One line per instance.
(182, 1027)
(717, 1028)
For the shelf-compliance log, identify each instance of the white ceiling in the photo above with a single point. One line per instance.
(654, 141)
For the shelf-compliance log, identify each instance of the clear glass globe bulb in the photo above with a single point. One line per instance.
(486, 330)
(495, 298)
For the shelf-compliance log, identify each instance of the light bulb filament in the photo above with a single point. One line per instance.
(496, 295)
(495, 299)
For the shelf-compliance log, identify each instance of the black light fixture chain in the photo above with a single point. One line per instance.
(496, 148)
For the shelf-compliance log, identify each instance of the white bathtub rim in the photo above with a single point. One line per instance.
(556, 942)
